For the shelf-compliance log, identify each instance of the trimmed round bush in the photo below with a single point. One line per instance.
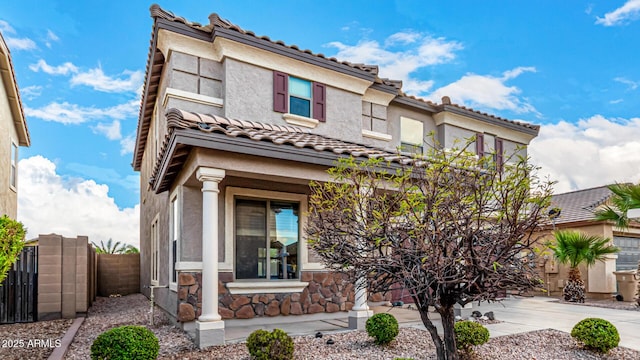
(275, 345)
(126, 342)
(597, 334)
(281, 345)
(470, 333)
(383, 328)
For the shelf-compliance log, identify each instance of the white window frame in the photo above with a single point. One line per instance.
(175, 230)
(271, 286)
(13, 174)
(155, 251)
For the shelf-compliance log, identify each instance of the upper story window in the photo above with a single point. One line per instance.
(411, 135)
(299, 97)
(499, 156)
(14, 165)
(480, 144)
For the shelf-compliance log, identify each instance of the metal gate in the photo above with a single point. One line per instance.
(19, 291)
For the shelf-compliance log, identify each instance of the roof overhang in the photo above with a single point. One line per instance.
(11, 86)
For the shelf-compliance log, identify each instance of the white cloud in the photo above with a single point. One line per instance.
(95, 78)
(486, 91)
(623, 15)
(630, 83)
(66, 113)
(31, 92)
(111, 131)
(64, 69)
(397, 60)
(6, 28)
(592, 152)
(51, 36)
(127, 144)
(50, 203)
(20, 44)
(15, 43)
(616, 101)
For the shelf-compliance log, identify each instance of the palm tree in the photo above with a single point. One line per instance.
(575, 248)
(115, 248)
(625, 197)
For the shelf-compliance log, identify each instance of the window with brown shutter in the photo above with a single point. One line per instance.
(319, 102)
(299, 97)
(280, 92)
(480, 144)
(499, 154)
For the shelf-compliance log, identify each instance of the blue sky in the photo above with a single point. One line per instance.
(569, 66)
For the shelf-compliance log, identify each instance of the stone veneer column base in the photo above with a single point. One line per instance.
(209, 333)
(358, 319)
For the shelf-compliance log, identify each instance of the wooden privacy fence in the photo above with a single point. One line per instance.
(118, 274)
(19, 291)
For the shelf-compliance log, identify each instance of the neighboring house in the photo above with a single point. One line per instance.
(577, 213)
(232, 129)
(13, 133)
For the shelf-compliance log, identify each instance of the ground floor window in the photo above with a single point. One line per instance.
(267, 239)
(155, 251)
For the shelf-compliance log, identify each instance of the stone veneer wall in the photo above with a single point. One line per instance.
(326, 292)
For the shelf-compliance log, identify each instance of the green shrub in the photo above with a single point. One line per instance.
(11, 243)
(125, 342)
(383, 328)
(597, 334)
(275, 345)
(470, 333)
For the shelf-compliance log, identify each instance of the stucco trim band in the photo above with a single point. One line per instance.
(261, 287)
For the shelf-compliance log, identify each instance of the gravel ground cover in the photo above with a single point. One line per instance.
(31, 340)
(107, 313)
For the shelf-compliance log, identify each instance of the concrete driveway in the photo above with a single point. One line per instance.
(517, 315)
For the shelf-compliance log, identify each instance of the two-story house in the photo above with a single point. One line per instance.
(13, 133)
(232, 128)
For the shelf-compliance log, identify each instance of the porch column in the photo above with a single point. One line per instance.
(209, 326)
(360, 312)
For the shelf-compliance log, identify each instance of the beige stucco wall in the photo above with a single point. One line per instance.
(8, 134)
(599, 278)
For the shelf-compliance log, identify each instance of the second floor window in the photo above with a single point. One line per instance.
(411, 135)
(299, 96)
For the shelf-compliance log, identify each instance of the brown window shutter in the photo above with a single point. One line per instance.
(499, 154)
(480, 144)
(280, 92)
(319, 102)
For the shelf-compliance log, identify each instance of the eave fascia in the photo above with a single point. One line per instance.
(491, 120)
(415, 103)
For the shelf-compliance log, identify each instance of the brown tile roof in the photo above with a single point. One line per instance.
(281, 135)
(578, 206)
(216, 21)
(447, 105)
(155, 62)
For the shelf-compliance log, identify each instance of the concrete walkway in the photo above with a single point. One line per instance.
(517, 315)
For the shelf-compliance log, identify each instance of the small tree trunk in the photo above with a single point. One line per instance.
(424, 315)
(448, 322)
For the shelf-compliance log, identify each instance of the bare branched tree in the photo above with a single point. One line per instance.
(452, 229)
